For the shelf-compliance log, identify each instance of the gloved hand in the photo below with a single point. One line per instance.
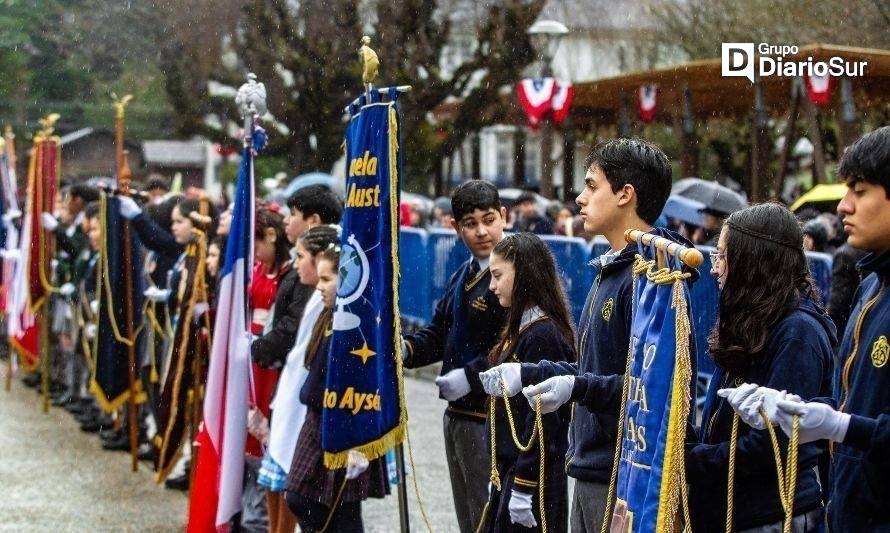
(10, 254)
(156, 294)
(454, 384)
(509, 373)
(200, 309)
(554, 393)
(129, 208)
(257, 424)
(50, 223)
(67, 289)
(356, 464)
(94, 306)
(405, 351)
(748, 398)
(90, 330)
(11, 215)
(520, 507)
(817, 420)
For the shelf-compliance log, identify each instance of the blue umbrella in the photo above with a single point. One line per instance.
(312, 178)
(684, 209)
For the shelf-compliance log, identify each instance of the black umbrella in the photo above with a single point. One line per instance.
(712, 195)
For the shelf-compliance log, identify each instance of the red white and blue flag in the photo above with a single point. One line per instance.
(216, 495)
(535, 97)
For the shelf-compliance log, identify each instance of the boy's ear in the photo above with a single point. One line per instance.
(627, 195)
(504, 214)
(455, 225)
(313, 220)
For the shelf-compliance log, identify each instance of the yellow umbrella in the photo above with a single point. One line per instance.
(821, 194)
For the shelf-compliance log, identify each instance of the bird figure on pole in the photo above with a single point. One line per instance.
(370, 62)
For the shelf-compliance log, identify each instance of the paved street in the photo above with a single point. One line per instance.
(53, 477)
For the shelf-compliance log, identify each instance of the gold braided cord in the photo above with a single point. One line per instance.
(733, 441)
(537, 431)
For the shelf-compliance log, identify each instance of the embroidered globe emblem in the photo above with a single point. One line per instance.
(350, 271)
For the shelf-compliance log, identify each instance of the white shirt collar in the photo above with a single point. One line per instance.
(530, 315)
(483, 262)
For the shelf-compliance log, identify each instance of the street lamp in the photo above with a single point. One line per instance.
(545, 36)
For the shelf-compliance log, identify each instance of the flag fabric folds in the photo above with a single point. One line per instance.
(364, 404)
(656, 400)
(185, 361)
(111, 377)
(216, 493)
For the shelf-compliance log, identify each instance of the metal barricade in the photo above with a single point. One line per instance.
(572, 256)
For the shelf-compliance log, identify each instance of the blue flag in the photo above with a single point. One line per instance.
(111, 376)
(363, 403)
(656, 398)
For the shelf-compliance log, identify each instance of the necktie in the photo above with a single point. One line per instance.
(473, 271)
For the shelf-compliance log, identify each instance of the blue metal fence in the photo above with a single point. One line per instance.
(429, 258)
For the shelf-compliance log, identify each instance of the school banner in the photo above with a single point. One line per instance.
(363, 405)
(111, 377)
(651, 475)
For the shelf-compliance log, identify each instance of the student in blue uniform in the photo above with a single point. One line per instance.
(856, 420)
(627, 184)
(539, 326)
(464, 329)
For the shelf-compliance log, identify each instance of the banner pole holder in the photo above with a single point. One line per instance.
(689, 256)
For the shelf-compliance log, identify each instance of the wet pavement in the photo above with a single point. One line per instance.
(53, 477)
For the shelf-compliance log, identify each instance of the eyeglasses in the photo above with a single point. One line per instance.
(715, 256)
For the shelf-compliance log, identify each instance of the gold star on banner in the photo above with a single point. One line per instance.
(378, 319)
(364, 352)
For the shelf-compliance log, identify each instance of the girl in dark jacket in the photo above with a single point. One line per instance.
(323, 499)
(770, 331)
(539, 326)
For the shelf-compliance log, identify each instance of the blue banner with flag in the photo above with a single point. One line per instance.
(656, 402)
(363, 403)
(111, 376)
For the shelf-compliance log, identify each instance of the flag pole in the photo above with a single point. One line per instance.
(123, 184)
(42, 142)
(9, 140)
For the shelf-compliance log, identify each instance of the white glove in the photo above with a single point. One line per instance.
(554, 393)
(509, 373)
(200, 309)
(94, 306)
(156, 294)
(10, 254)
(520, 507)
(454, 384)
(67, 289)
(11, 215)
(817, 420)
(129, 209)
(90, 330)
(405, 351)
(748, 398)
(257, 424)
(50, 223)
(356, 464)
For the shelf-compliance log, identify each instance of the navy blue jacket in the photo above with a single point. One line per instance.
(312, 393)
(602, 345)
(798, 359)
(859, 497)
(464, 329)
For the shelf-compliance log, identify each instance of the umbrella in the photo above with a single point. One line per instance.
(508, 198)
(712, 195)
(823, 197)
(683, 209)
(312, 178)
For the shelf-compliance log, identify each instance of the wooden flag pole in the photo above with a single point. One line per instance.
(123, 184)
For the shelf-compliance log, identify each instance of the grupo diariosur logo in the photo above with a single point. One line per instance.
(740, 60)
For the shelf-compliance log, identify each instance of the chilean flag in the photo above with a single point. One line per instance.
(216, 495)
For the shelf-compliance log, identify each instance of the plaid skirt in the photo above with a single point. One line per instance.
(309, 478)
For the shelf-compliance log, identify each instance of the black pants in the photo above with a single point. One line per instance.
(312, 515)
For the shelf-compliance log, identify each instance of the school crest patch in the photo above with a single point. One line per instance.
(880, 352)
(607, 309)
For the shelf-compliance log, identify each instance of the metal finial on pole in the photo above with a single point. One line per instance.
(251, 102)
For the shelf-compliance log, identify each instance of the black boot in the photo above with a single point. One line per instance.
(180, 482)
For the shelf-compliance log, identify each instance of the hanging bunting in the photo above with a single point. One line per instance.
(562, 100)
(819, 88)
(535, 96)
(647, 101)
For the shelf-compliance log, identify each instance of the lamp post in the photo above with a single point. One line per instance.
(545, 36)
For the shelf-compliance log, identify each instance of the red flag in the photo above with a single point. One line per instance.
(647, 100)
(819, 89)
